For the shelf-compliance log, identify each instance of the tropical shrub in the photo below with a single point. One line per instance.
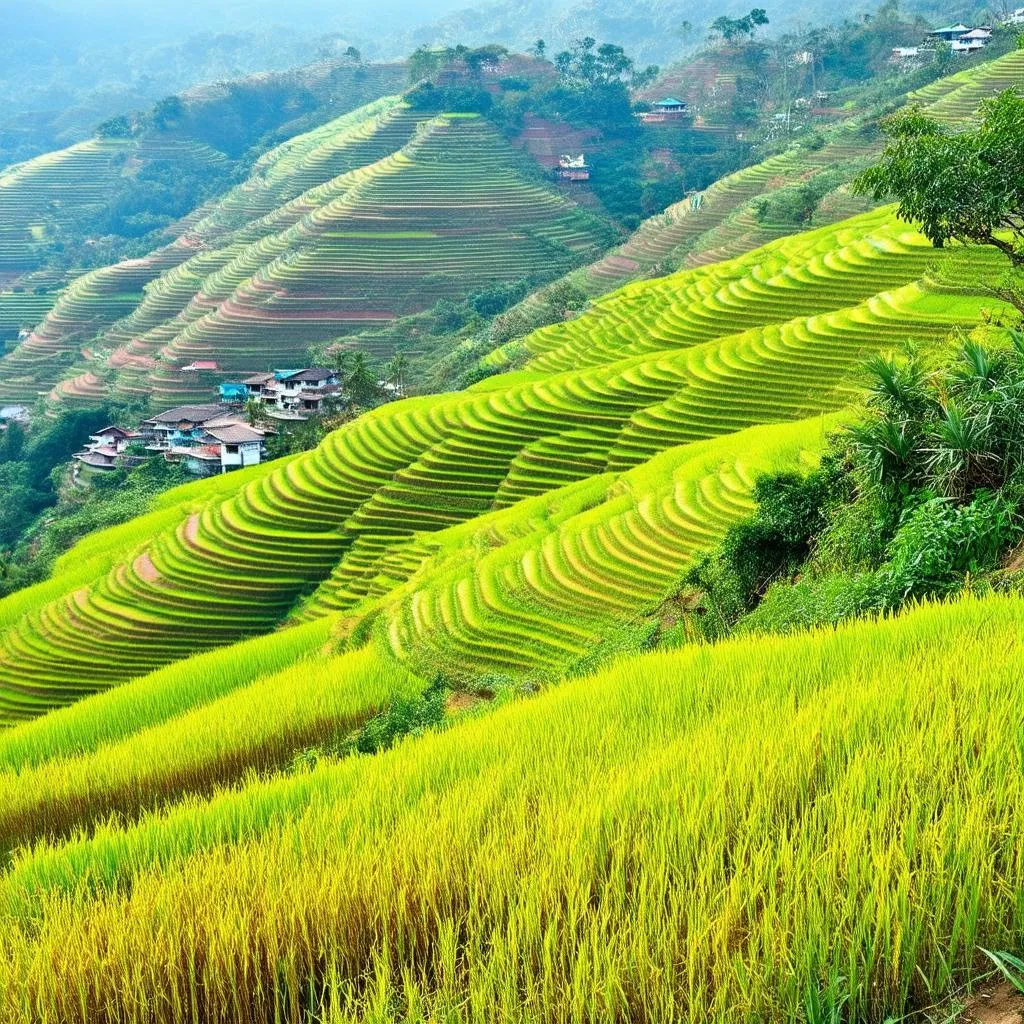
(922, 495)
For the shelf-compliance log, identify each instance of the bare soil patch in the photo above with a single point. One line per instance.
(994, 1004)
(145, 569)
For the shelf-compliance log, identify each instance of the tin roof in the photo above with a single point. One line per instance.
(312, 374)
(189, 413)
(234, 433)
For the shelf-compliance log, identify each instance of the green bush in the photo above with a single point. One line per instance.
(769, 546)
(939, 542)
(405, 716)
(923, 495)
(794, 605)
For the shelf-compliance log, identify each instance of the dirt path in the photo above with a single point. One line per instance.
(995, 1005)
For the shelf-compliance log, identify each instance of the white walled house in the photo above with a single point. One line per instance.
(286, 394)
(239, 445)
(207, 439)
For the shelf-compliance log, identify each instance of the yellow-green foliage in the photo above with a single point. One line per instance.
(747, 832)
(254, 727)
(771, 337)
(537, 585)
(96, 553)
(110, 716)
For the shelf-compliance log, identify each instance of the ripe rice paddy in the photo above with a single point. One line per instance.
(804, 828)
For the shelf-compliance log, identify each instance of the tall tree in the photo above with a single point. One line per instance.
(731, 28)
(963, 186)
(255, 412)
(361, 381)
(395, 370)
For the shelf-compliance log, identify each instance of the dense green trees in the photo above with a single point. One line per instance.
(115, 128)
(31, 465)
(586, 66)
(737, 28)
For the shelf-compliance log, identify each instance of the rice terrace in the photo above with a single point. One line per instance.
(512, 515)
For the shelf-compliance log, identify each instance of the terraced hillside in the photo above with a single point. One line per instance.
(286, 747)
(301, 253)
(722, 223)
(617, 452)
(740, 212)
(378, 214)
(60, 196)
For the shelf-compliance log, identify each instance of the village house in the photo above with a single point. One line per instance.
(224, 445)
(970, 42)
(572, 168)
(286, 394)
(963, 39)
(234, 394)
(1016, 18)
(667, 109)
(107, 448)
(179, 427)
(206, 439)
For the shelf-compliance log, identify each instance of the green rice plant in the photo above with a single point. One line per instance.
(773, 336)
(94, 555)
(116, 714)
(1010, 967)
(252, 728)
(821, 827)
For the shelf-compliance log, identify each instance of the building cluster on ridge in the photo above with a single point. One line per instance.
(962, 39)
(217, 437)
(230, 434)
(286, 394)
(207, 439)
(576, 169)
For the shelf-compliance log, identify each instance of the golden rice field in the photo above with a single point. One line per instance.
(810, 828)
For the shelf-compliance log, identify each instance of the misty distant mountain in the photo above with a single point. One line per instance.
(653, 31)
(66, 65)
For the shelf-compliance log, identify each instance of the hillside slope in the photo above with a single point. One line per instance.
(281, 261)
(362, 734)
(723, 221)
(804, 185)
(614, 413)
(121, 190)
(377, 214)
(771, 827)
(59, 193)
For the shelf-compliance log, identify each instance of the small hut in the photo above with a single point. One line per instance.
(572, 168)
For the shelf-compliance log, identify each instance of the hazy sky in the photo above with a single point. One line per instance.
(186, 16)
